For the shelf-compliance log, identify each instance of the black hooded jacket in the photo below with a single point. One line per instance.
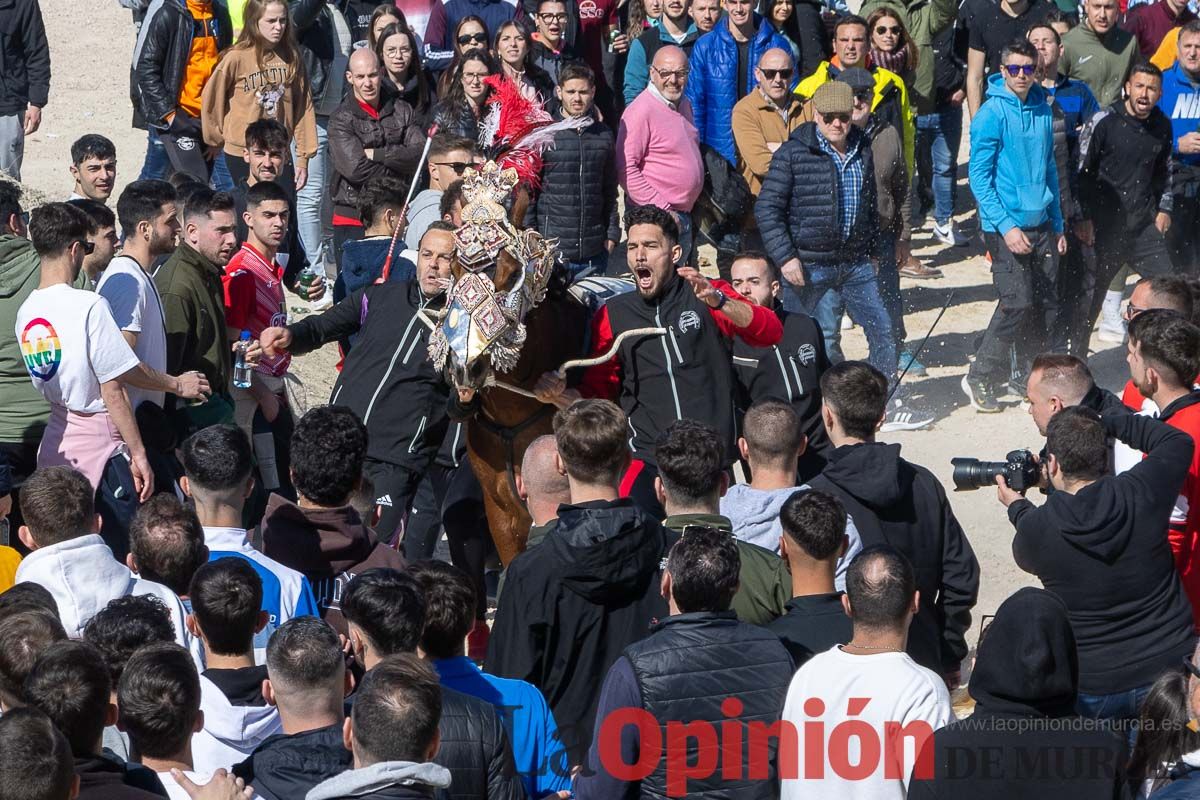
(24, 57)
(1024, 739)
(895, 502)
(572, 604)
(1104, 551)
(285, 767)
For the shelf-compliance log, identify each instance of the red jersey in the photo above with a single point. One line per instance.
(1184, 535)
(254, 301)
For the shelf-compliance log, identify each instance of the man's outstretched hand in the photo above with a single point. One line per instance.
(223, 786)
(275, 341)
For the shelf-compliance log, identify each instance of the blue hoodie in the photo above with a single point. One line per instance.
(1013, 174)
(1180, 101)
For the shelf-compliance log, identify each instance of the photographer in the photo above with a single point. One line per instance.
(1099, 542)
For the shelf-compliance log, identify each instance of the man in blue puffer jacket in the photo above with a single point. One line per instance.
(722, 72)
(1015, 182)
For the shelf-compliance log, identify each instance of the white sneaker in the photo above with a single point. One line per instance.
(948, 234)
(902, 417)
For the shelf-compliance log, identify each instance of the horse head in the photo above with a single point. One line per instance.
(500, 272)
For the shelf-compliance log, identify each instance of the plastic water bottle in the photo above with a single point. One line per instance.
(241, 370)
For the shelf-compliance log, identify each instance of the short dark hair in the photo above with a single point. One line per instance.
(266, 192)
(814, 521)
(449, 606)
(397, 710)
(167, 542)
(691, 460)
(450, 196)
(1076, 438)
(329, 447)
(591, 439)
(268, 134)
(1043, 23)
(848, 19)
(100, 214)
(757, 255)
(92, 145)
(37, 763)
(158, 697)
(10, 201)
(1170, 343)
(203, 202)
(126, 624)
(388, 606)
(1144, 67)
(1172, 291)
(218, 458)
(1018, 47)
(880, 584)
(70, 684)
(576, 71)
(1192, 27)
(54, 227)
(704, 565)
(856, 392)
(653, 215)
(377, 195)
(1064, 371)
(25, 633)
(772, 431)
(1057, 15)
(27, 594)
(142, 201)
(227, 596)
(303, 653)
(444, 142)
(58, 505)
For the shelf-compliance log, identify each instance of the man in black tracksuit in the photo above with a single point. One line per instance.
(789, 371)
(578, 200)
(160, 69)
(24, 79)
(1124, 182)
(684, 373)
(1100, 543)
(895, 502)
(387, 378)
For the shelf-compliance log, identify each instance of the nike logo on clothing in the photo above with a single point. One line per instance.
(1084, 59)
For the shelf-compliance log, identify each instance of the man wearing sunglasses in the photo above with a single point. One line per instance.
(1014, 177)
(723, 72)
(450, 157)
(764, 119)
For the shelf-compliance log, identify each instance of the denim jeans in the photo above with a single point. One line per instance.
(888, 278)
(938, 137)
(308, 199)
(859, 288)
(1119, 707)
(222, 180)
(156, 166)
(593, 267)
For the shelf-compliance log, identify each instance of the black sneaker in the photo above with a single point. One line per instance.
(982, 398)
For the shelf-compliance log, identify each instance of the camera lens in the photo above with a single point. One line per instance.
(971, 473)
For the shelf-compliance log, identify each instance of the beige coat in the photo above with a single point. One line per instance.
(759, 127)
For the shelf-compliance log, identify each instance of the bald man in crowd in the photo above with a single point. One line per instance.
(542, 484)
(370, 136)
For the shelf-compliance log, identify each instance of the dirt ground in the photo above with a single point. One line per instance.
(91, 42)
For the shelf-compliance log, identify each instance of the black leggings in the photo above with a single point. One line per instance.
(453, 496)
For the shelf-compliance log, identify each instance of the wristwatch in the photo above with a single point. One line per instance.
(722, 299)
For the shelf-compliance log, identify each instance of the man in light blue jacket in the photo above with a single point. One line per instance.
(1015, 183)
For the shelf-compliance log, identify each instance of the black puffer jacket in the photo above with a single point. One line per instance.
(285, 767)
(394, 139)
(797, 209)
(24, 56)
(578, 201)
(476, 750)
(161, 55)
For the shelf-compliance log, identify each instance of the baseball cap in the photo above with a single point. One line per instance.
(833, 97)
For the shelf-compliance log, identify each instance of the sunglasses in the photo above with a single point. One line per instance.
(838, 117)
(864, 96)
(467, 38)
(88, 247)
(771, 74)
(459, 167)
(1191, 668)
(894, 30)
(1014, 70)
(1132, 311)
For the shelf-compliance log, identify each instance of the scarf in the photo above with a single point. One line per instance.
(896, 61)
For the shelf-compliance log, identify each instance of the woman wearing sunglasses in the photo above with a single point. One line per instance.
(462, 106)
(469, 34)
(891, 47)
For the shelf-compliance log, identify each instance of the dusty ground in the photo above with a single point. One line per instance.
(91, 42)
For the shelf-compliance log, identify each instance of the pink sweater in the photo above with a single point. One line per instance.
(658, 154)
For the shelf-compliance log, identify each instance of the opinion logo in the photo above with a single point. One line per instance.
(41, 349)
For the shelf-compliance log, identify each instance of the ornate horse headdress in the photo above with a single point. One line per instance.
(479, 318)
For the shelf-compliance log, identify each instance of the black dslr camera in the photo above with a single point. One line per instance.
(1020, 471)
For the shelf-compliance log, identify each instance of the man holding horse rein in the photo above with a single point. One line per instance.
(686, 372)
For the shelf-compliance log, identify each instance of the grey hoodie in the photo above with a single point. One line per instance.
(755, 517)
(362, 782)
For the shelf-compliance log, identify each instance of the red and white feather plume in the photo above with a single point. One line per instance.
(517, 130)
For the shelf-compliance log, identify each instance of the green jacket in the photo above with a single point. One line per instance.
(194, 306)
(1102, 63)
(923, 19)
(766, 585)
(23, 411)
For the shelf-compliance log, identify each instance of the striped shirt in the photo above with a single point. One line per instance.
(254, 301)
